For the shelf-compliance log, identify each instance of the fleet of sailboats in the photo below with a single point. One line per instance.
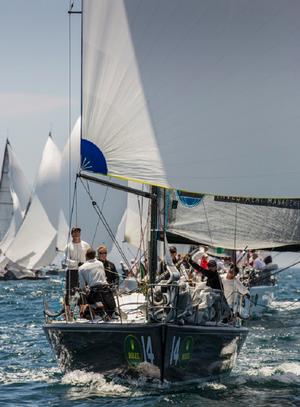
(34, 243)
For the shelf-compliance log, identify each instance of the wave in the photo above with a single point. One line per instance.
(29, 376)
(84, 383)
(285, 305)
(286, 373)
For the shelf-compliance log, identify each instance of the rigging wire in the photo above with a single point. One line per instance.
(98, 222)
(105, 223)
(71, 4)
(235, 232)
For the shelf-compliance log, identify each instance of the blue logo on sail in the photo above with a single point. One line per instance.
(92, 158)
(189, 200)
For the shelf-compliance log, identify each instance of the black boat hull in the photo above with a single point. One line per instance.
(157, 351)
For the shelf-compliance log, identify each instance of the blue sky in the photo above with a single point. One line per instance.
(34, 78)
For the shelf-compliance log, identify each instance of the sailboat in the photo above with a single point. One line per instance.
(236, 224)
(34, 245)
(145, 83)
(14, 199)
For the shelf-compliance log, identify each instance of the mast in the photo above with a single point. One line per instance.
(153, 236)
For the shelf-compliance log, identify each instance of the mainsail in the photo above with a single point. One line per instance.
(234, 223)
(35, 243)
(196, 95)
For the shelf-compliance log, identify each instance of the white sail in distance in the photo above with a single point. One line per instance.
(35, 243)
(198, 95)
(6, 202)
(14, 197)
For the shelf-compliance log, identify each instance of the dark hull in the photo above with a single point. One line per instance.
(157, 351)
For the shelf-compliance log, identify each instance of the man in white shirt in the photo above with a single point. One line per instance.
(233, 288)
(91, 273)
(92, 279)
(75, 256)
(258, 263)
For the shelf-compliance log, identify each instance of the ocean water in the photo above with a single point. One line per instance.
(267, 372)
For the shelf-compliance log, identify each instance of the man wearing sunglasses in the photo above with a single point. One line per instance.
(112, 275)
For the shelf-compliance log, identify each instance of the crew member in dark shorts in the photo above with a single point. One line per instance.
(75, 253)
(92, 279)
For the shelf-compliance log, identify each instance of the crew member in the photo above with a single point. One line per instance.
(75, 256)
(92, 279)
(112, 275)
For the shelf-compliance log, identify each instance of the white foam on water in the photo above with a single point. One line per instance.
(37, 293)
(285, 305)
(214, 386)
(87, 383)
(29, 376)
(55, 281)
(287, 373)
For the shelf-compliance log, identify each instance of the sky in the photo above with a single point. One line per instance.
(34, 80)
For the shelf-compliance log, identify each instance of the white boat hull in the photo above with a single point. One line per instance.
(260, 299)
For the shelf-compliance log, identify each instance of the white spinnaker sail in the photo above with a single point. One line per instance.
(234, 223)
(111, 203)
(35, 243)
(201, 95)
(17, 187)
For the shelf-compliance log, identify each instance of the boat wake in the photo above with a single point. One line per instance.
(285, 305)
(284, 374)
(29, 376)
(87, 383)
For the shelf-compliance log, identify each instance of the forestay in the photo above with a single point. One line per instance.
(234, 223)
(199, 95)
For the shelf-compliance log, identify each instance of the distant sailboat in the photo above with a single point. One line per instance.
(14, 199)
(34, 245)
